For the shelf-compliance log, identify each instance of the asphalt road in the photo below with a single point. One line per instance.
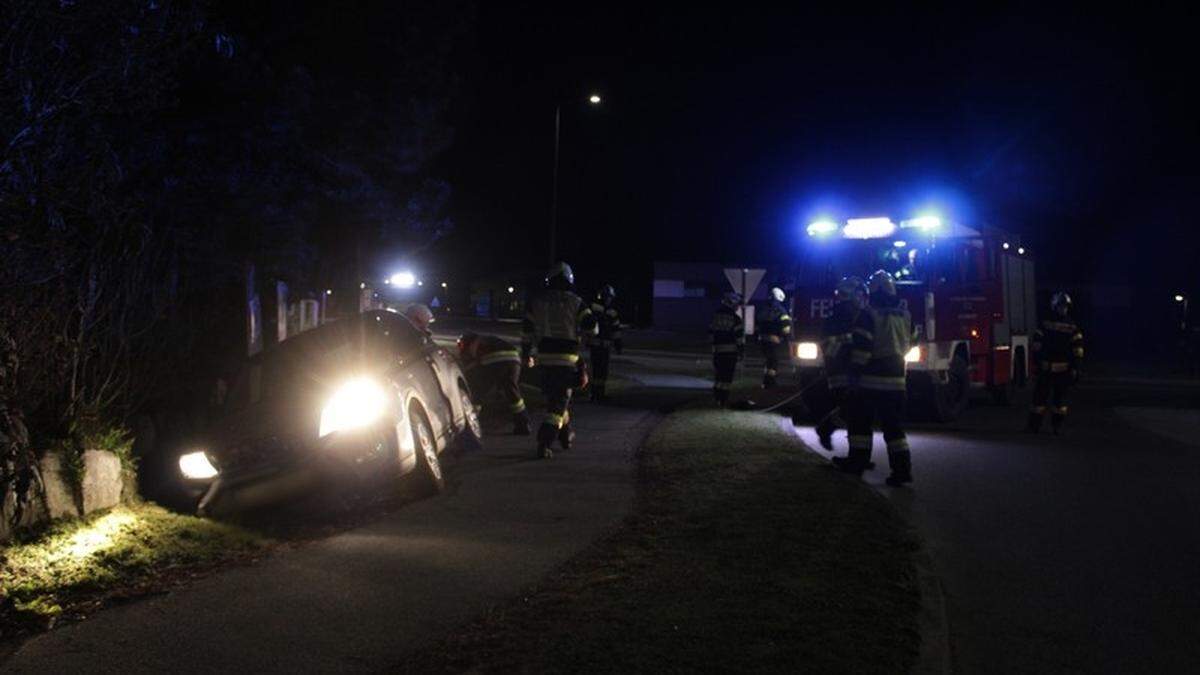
(357, 600)
(1065, 554)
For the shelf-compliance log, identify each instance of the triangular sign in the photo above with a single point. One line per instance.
(744, 280)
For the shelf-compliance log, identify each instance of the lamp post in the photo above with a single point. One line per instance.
(593, 99)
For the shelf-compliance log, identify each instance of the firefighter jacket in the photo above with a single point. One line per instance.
(728, 331)
(609, 323)
(492, 350)
(553, 324)
(837, 333)
(881, 337)
(774, 323)
(1058, 345)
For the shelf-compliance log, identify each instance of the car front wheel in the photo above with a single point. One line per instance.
(429, 466)
(471, 437)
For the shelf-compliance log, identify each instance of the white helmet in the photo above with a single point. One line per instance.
(563, 270)
(420, 315)
(778, 294)
(881, 282)
(1061, 303)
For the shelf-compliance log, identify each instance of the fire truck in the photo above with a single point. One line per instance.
(970, 292)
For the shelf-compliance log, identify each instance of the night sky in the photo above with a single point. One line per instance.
(724, 130)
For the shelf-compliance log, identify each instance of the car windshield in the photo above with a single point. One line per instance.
(308, 360)
(949, 261)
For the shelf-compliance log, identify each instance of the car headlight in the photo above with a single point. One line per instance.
(355, 404)
(195, 466)
(913, 355)
(807, 351)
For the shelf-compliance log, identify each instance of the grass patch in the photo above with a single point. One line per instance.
(76, 565)
(745, 553)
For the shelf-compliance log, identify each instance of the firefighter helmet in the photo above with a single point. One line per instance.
(851, 289)
(778, 294)
(420, 315)
(606, 292)
(881, 282)
(561, 271)
(1060, 302)
(732, 299)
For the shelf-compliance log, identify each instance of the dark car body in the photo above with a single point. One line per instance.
(268, 444)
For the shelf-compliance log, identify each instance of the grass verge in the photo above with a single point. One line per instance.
(744, 553)
(77, 565)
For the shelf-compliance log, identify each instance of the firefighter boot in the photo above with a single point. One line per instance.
(901, 463)
(566, 436)
(1035, 422)
(825, 429)
(546, 434)
(521, 425)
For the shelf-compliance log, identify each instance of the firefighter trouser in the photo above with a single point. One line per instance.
(835, 418)
(600, 356)
(504, 377)
(724, 366)
(863, 407)
(1050, 391)
(770, 352)
(557, 383)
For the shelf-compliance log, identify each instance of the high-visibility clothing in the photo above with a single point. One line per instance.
(554, 323)
(1058, 345)
(491, 350)
(774, 324)
(728, 331)
(881, 338)
(837, 342)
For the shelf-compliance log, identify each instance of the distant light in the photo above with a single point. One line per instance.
(403, 279)
(328, 291)
(924, 223)
(899, 244)
(195, 466)
(420, 283)
(511, 289)
(362, 284)
(1021, 250)
(868, 228)
(913, 355)
(1178, 298)
(594, 99)
(821, 228)
(807, 351)
(974, 332)
(443, 284)
(1006, 246)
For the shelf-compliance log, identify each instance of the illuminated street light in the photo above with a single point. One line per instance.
(1020, 250)
(403, 279)
(1179, 298)
(594, 99)
(443, 284)
(328, 291)
(1006, 246)
(511, 289)
(362, 284)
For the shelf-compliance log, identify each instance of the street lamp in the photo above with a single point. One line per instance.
(594, 100)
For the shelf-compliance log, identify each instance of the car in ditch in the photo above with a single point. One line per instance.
(364, 398)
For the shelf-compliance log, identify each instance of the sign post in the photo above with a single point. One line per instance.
(745, 281)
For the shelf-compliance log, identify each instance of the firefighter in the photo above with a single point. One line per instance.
(729, 345)
(608, 339)
(421, 317)
(774, 326)
(1057, 356)
(553, 324)
(881, 338)
(493, 364)
(850, 299)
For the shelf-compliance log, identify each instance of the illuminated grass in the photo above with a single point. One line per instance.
(82, 561)
(744, 554)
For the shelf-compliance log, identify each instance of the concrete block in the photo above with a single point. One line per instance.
(101, 487)
(60, 495)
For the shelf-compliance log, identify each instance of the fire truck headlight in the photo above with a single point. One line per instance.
(913, 355)
(807, 351)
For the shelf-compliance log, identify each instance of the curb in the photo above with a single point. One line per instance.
(934, 656)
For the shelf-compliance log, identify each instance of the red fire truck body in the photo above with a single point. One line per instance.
(970, 292)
